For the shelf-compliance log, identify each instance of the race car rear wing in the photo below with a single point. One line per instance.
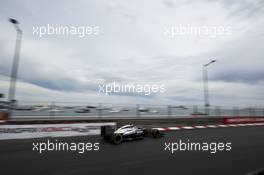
(107, 131)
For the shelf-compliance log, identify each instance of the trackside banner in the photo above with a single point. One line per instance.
(50, 130)
(235, 120)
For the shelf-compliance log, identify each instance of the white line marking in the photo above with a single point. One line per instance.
(200, 127)
(211, 126)
(259, 124)
(251, 124)
(160, 129)
(232, 125)
(241, 125)
(187, 127)
(223, 126)
(174, 128)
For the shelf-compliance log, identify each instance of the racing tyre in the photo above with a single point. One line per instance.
(156, 133)
(117, 139)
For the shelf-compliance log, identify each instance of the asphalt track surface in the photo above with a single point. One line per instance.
(141, 156)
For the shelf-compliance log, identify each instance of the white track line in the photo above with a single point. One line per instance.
(200, 127)
(223, 126)
(212, 126)
(174, 128)
(232, 125)
(187, 127)
(208, 126)
(160, 129)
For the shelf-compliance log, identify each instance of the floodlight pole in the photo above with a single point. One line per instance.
(206, 89)
(12, 87)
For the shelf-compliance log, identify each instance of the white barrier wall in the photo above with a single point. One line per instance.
(50, 130)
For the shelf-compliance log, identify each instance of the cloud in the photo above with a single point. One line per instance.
(132, 47)
(245, 8)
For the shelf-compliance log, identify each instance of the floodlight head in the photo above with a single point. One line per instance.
(12, 20)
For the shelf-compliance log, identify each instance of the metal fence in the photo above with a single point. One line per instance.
(73, 109)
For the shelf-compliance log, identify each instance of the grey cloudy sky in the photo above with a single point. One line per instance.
(132, 47)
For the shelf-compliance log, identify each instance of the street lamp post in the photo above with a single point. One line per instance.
(12, 87)
(206, 90)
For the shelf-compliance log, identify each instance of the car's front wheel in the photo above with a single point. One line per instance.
(117, 139)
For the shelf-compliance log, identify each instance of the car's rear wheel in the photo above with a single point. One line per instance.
(117, 139)
(156, 133)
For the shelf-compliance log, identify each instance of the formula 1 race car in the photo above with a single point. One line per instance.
(127, 132)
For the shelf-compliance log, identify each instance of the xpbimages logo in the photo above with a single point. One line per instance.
(197, 31)
(79, 31)
(133, 88)
(212, 147)
(80, 147)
